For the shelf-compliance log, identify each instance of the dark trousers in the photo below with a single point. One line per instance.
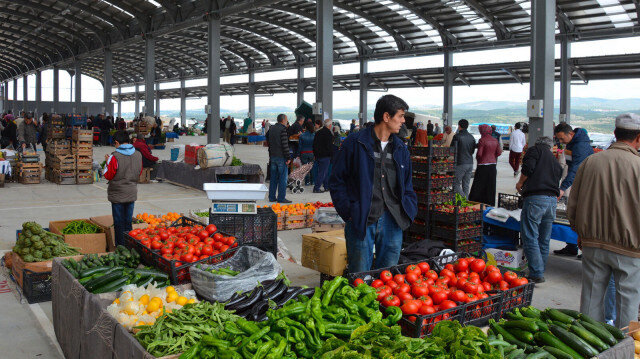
(323, 173)
(483, 189)
(104, 137)
(514, 160)
(122, 217)
(278, 181)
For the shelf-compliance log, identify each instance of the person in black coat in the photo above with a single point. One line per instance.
(323, 151)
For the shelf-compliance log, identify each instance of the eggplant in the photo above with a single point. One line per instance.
(248, 302)
(257, 310)
(273, 287)
(307, 292)
(276, 291)
(235, 299)
(291, 293)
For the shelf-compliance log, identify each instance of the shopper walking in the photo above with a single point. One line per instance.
(306, 149)
(278, 159)
(447, 136)
(123, 170)
(517, 141)
(28, 132)
(578, 149)
(372, 191)
(483, 189)
(437, 130)
(465, 145)
(608, 228)
(323, 149)
(539, 184)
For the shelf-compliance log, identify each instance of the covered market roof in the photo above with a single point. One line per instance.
(262, 35)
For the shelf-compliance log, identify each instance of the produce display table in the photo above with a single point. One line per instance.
(171, 135)
(559, 232)
(186, 174)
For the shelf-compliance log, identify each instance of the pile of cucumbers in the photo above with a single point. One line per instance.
(112, 271)
(552, 333)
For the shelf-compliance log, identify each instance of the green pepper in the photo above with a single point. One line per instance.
(255, 336)
(278, 351)
(394, 314)
(311, 326)
(341, 329)
(310, 339)
(192, 353)
(302, 350)
(346, 303)
(246, 326)
(316, 313)
(295, 309)
(263, 350)
(211, 341)
(349, 292)
(332, 287)
(369, 298)
(365, 289)
(225, 354)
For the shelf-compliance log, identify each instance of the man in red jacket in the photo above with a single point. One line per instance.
(148, 159)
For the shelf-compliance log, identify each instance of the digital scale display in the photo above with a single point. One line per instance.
(234, 207)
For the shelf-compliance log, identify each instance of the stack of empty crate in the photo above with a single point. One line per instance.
(60, 164)
(29, 169)
(82, 149)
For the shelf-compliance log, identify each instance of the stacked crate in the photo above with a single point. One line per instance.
(60, 164)
(29, 169)
(56, 128)
(433, 177)
(458, 226)
(82, 149)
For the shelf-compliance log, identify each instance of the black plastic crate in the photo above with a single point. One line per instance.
(419, 225)
(427, 198)
(433, 167)
(479, 312)
(258, 230)
(440, 214)
(510, 202)
(36, 286)
(468, 245)
(423, 325)
(497, 231)
(411, 237)
(456, 233)
(433, 151)
(517, 297)
(441, 261)
(424, 182)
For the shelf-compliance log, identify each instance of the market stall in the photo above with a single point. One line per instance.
(187, 175)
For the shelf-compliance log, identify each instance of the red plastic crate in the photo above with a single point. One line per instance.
(191, 154)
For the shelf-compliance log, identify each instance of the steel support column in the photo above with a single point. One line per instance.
(25, 94)
(119, 101)
(14, 103)
(213, 81)
(157, 94)
(252, 96)
(565, 80)
(56, 90)
(137, 101)
(324, 56)
(78, 77)
(183, 104)
(108, 82)
(5, 96)
(149, 74)
(364, 88)
(542, 65)
(300, 86)
(447, 106)
(38, 110)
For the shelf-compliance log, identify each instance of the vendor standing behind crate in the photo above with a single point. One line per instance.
(28, 132)
(539, 184)
(371, 188)
(123, 170)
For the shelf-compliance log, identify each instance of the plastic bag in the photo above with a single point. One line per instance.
(327, 215)
(255, 266)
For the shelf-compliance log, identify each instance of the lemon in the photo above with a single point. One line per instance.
(181, 300)
(191, 301)
(170, 289)
(117, 301)
(157, 300)
(172, 297)
(144, 300)
(153, 306)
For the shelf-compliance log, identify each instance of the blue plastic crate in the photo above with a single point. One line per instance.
(174, 154)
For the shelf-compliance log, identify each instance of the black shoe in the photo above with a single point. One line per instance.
(536, 280)
(272, 201)
(284, 201)
(566, 252)
(318, 191)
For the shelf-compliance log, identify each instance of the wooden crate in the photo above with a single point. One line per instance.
(84, 177)
(84, 162)
(61, 177)
(28, 165)
(145, 175)
(82, 148)
(30, 176)
(82, 135)
(18, 266)
(58, 147)
(63, 163)
(56, 132)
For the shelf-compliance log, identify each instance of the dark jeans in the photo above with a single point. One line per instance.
(323, 173)
(538, 214)
(122, 216)
(306, 158)
(278, 181)
(385, 235)
(104, 137)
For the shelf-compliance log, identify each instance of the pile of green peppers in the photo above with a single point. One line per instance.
(300, 327)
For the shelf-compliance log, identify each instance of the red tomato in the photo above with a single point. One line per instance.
(474, 279)
(443, 281)
(402, 288)
(474, 275)
(413, 268)
(410, 307)
(188, 257)
(209, 241)
(399, 278)
(412, 277)
(181, 243)
(376, 283)
(356, 282)
(471, 287)
(453, 283)
(211, 228)
(193, 240)
(477, 265)
(141, 236)
(391, 284)
(424, 267)
(217, 236)
(518, 282)
(461, 265)
(463, 275)
(197, 252)
(491, 268)
(391, 301)
(193, 230)
(510, 277)
(164, 235)
(447, 273)
(470, 298)
(167, 256)
(447, 304)
(493, 277)
(207, 250)
(217, 245)
(426, 300)
(486, 286)
(134, 232)
(450, 267)
(386, 276)
(405, 296)
(457, 296)
(419, 291)
(503, 285)
(431, 274)
(426, 310)
(166, 250)
(224, 248)
(156, 238)
(156, 245)
(438, 296)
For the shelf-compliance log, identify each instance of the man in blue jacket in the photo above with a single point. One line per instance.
(371, 188)
(578, 148)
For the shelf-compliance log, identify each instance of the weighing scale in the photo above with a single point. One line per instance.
(235, 198)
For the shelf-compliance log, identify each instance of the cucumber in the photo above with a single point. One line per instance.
(515, 354)
(589, 337)
(538, 355)
(92, 271)
(529, 326)
(521, 335)
(498, 329)
(617, 333)
(84, 280)
(575, 342)
(572, 313)
(152, 272)
(562, 325)
(73, 263)
(557, 315)
(557, 353)
(588, 319)
(530, 313)
(600, 332)
(112, 286)
(107, 277)
(544, 338)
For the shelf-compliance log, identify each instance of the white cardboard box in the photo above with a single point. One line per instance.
(509, 259)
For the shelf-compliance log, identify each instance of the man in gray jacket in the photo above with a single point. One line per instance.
(279, 159)
(28, 132)
(465, 145)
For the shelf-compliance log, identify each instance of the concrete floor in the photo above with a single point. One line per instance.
(30, 325)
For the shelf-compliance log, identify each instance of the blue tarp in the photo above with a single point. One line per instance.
(256, 138)
(559, 232)
(171, 135)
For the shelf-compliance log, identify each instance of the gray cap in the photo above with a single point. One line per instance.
(628, 121)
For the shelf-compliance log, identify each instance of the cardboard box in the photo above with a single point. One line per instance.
(324, 227)
(106, 223)
(18, 266)
(514, 260)
(88, 243)
(325, 252)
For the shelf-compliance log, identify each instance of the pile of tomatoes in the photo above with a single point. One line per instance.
(423, 291)
(186, 244)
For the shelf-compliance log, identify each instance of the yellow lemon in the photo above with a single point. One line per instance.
(117, 301)
(170, 289)
(144, 300)
(153, 306)
(181, 300)
(191, 301)
(172, 297)
(157, 300)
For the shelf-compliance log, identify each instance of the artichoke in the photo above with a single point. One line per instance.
(27, 242)
(24, 251)
(38, 245)
(28, 258)
(27, 233)
(37, 254)
(35, 238)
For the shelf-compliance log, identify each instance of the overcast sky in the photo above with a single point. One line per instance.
(416, 97)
